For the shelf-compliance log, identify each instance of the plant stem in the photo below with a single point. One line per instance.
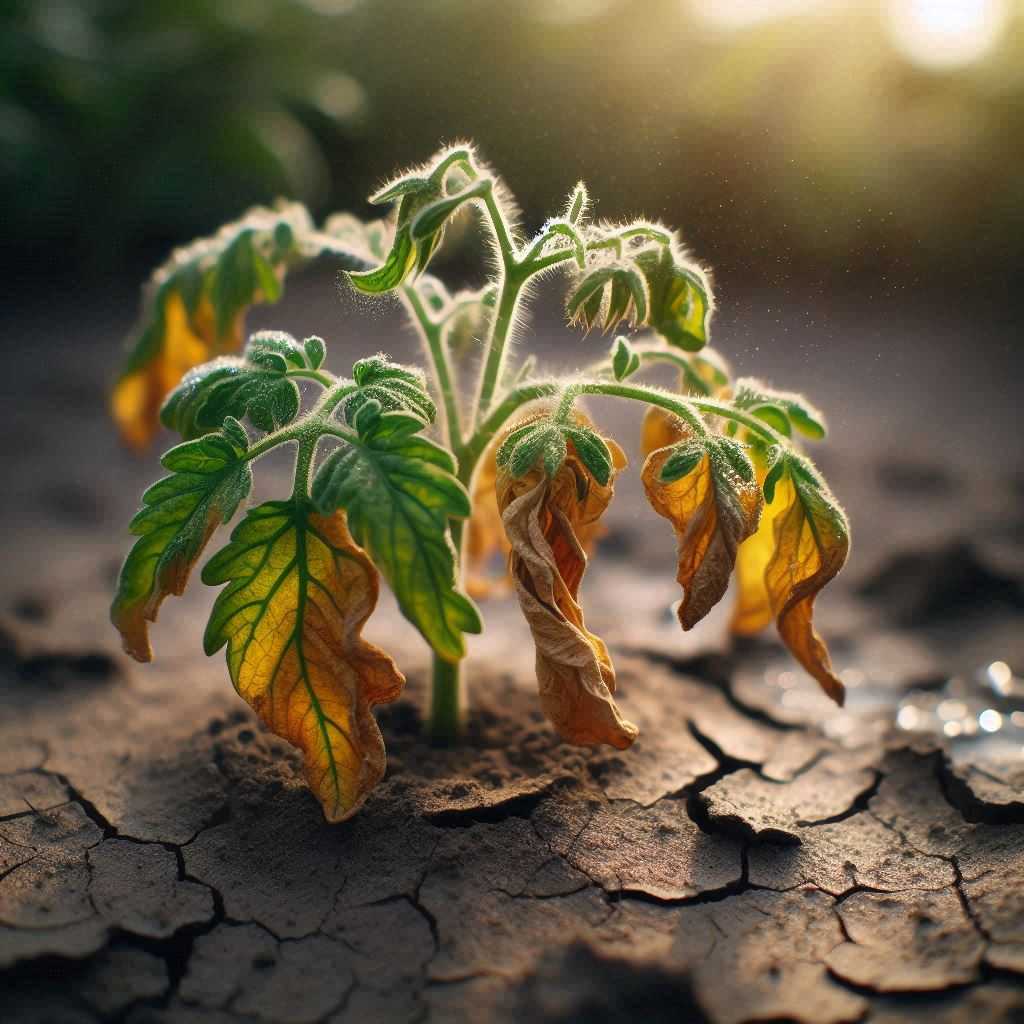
(446, 702)
(501, 325)
(433, 337)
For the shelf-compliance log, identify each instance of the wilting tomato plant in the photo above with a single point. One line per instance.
(402, 473)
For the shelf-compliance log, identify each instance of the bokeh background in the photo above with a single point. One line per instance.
(851, 170)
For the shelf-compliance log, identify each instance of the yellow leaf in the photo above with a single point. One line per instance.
(660, 429)
(712, 509)
(544, 519)
(753, 610)
(811, 544)
(179, 343)
(292, 616)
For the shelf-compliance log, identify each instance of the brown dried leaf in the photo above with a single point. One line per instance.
(712, 509)
(812, 541)
(544, 520)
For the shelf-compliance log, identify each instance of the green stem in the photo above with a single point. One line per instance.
(321, 377)
(683, 408)
(446, 702)
(500, 327)
(303, 462)
(432, 335)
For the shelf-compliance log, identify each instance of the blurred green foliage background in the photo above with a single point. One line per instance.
(781, 135)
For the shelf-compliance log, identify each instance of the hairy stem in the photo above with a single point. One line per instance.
(432, 335)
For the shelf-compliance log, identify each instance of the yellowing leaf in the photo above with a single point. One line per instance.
(181, 342)
(179, 515)
(195, 303)
(299, 593)
(713, 506)
(660, 429)
(811, 544)
(753, 610)
(543, 519)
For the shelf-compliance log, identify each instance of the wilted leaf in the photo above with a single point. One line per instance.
(660, 429)
(607, 296)
(706, 488)
(194, 306)
(299, 592)
(179, 515)
(399, 490)
(543, 518)
(753, 609)
(812, 541)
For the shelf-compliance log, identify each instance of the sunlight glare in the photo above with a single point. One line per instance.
(739, 14)
(946, 33)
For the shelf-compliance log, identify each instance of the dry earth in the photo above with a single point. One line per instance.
(755, 856)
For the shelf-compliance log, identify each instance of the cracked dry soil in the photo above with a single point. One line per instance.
(755, 856)
(161, 861)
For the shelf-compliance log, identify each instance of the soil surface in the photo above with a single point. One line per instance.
(756, 855)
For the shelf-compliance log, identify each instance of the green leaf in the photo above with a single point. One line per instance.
(316, 352)
(399, 491)
(607, 296)
(400, 261)
(179, 515)
(682, 461)
(577, 205)
(394, 387)
(680, 302)
(783, 410)
(592, 450)
(254, 385)
(432, 218)
(414, 185)
(625, 359)
(775, 465)
(546, 441)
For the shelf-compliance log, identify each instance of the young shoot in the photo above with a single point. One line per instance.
(405, 474)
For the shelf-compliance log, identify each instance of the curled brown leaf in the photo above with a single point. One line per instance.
(544, 520)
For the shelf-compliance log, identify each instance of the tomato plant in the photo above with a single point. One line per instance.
(402, 473)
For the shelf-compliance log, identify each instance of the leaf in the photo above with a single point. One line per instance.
(660, 429)
(606, 297)
(625, 359)
(713, 504)
(394, 387)
(753, 610)
(299, 592)
(485, 536)
(399, 490)
(194, 307)
(179, 515)
(541, 439)
(393, 271)
(812, 541)
(783, 410)
(254, 385)
(680, 303)
(543, 518)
